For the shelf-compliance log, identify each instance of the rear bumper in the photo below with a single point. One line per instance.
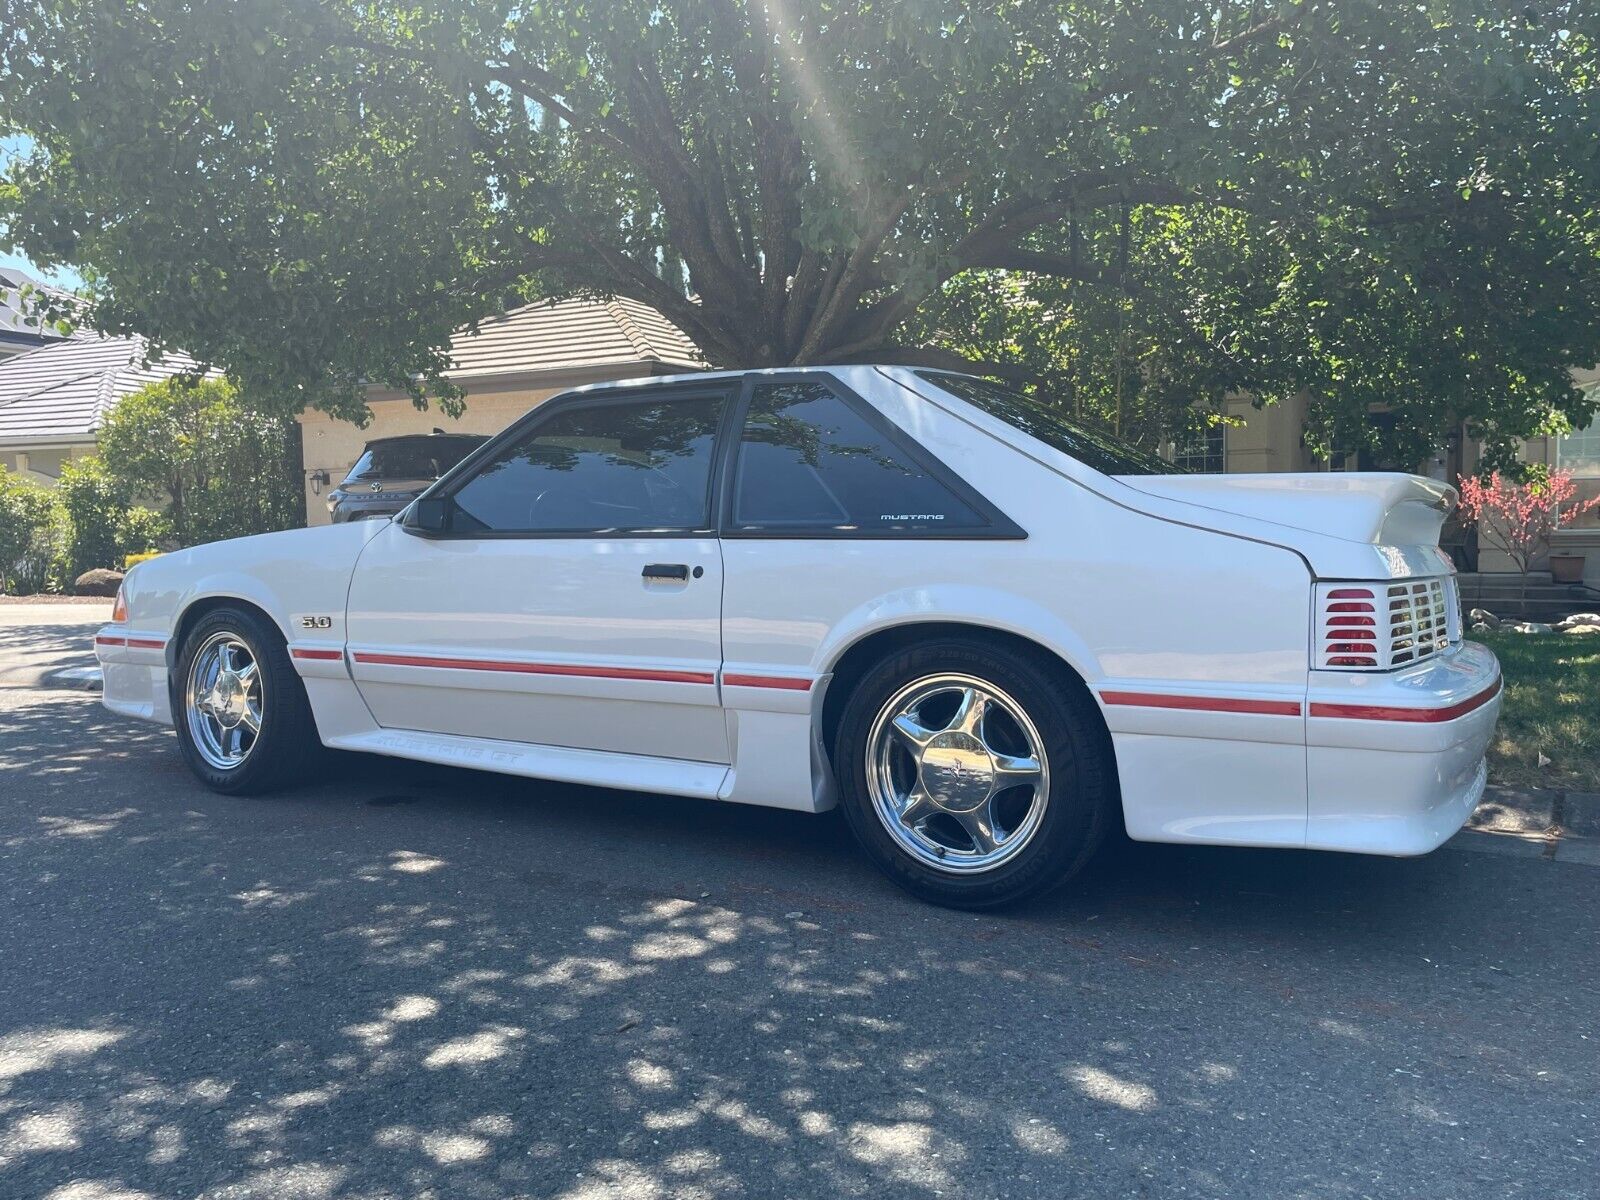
(1395, 762)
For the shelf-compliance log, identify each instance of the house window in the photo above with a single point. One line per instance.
(1205, 453)
(1579, 451)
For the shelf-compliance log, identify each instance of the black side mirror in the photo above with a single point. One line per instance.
(431, 514)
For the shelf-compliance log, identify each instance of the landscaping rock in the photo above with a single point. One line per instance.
(1581, 629)
(1583, 618)
(1526, 627)
(1482, 616)
(98, 582)
(1480, 627)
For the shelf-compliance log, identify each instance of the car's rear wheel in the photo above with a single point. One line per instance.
(243, 722)
(972, 774)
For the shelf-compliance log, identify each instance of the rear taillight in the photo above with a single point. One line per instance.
(1347, 634)
(119, 609)
(1379, 626)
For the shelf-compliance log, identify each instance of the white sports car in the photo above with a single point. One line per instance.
(987, 633)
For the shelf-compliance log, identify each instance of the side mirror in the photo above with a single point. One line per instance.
(431, 514)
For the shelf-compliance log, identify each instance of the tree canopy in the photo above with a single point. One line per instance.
(1364, 200)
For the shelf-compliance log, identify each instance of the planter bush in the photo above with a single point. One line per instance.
(105, 526)
(33, 536)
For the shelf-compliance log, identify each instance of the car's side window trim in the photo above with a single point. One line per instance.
(999, 526)
(529, 424)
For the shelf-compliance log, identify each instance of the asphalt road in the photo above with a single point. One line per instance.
(412, 982)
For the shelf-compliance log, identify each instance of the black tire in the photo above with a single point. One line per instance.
(1082, 789)
(287, 743)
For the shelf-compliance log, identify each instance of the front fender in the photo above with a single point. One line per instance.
(289, 576)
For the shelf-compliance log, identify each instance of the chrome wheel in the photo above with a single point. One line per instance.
(222, 701)
(957, 773)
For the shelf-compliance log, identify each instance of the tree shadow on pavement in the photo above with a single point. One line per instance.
(408, 981)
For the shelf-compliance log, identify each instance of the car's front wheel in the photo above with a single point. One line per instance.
(971, 775)
(243, 722)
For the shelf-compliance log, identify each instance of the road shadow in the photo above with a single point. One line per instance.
(415, 981)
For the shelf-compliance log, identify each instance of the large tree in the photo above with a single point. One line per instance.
(313, 193)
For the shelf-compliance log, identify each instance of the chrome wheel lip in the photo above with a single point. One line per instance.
(892, 802)
(223, 701)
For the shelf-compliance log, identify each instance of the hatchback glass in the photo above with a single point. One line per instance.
(1105, 453)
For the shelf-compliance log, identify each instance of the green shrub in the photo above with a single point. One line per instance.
(33, 536)
(94, 503)
(142, 531)
(104, 525)
(222, 467)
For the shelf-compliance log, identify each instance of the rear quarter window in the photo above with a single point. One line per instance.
(808, 461)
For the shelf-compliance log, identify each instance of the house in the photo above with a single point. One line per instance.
(507, 366)
(54, 396)
(19, 331)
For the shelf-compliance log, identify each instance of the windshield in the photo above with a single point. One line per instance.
(1038, 419)
(413, 458)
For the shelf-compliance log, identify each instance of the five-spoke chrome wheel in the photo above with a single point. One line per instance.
(223, 701)
(957, 773)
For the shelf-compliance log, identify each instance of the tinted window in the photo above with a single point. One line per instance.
(1101, 451)
(807, 460)
(636, 466)
(426, 457)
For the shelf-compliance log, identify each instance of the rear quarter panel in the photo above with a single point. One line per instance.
(1129, 601)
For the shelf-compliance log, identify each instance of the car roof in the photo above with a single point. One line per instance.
(838, 371)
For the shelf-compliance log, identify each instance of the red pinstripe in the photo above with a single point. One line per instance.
(522, 668)
(784, 682)
(1379, 712)
(318, 655)
(1228, 704)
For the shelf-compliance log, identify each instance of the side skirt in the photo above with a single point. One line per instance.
(630, 772)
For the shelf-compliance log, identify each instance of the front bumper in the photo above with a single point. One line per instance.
(134, 666)
(1395, 761)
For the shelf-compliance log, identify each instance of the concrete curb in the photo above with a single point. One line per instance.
(1533, 823)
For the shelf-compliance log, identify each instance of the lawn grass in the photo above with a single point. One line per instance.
(1551, 709)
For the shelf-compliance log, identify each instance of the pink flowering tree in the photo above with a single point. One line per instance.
(1518, 518)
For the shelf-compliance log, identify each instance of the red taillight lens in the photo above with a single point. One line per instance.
(119, 610)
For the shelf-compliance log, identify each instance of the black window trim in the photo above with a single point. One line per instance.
(736, 392)
(447, 485)
(999, 526)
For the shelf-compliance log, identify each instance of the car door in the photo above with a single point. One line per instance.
(565, 588)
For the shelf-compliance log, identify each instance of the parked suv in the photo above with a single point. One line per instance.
(392, 472)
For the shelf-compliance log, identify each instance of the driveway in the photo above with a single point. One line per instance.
(412, 982)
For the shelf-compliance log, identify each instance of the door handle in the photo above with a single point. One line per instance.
(667, 572)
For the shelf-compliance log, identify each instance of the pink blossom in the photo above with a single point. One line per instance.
(1519, 518)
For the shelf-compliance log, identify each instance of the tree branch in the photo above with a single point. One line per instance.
(1250, 36)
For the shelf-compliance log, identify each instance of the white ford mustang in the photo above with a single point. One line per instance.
(985, 632)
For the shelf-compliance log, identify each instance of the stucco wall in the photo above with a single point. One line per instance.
(1269, 438)
(42, 465)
